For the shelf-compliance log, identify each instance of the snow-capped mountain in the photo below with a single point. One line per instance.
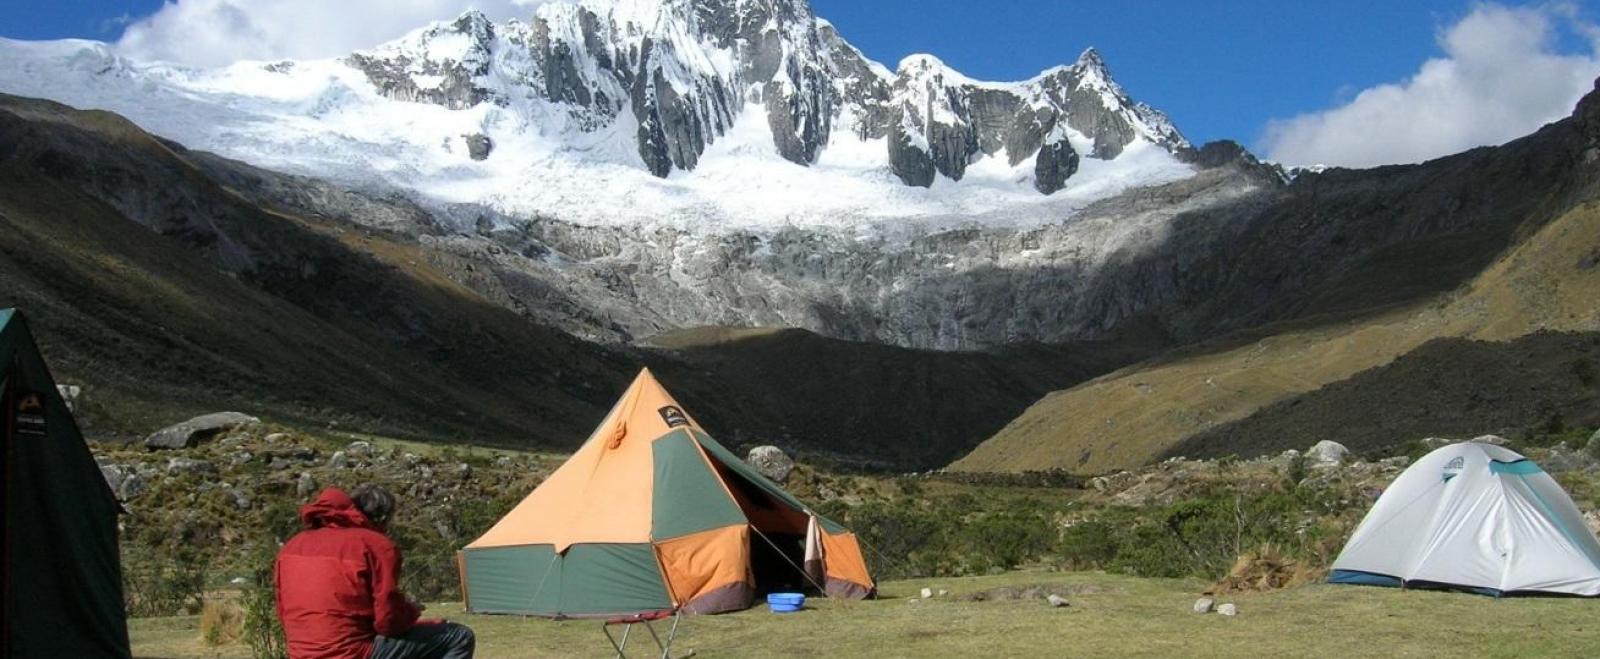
(685, 112)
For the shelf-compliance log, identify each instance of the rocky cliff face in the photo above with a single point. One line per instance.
(677, 73)
(941, 121)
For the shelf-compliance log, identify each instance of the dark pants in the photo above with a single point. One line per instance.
(447, 641)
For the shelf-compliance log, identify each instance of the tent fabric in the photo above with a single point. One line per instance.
(846, 568)
(1477, 517)
(708, 571)
(589, 580)
(649, 514)
(63, 579)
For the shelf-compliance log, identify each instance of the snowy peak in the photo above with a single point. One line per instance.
(678, 74)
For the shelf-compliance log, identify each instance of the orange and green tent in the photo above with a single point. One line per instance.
(651, 514)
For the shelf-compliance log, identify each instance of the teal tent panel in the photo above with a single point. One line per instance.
(688, 496)
(589, 580)
(512, 579)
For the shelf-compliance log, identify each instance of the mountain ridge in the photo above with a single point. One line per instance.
(587, 93)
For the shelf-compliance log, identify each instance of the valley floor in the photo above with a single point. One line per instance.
(1110, 615)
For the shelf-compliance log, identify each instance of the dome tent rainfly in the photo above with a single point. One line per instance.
(1477, 517)
(62, 578)
(651, 514)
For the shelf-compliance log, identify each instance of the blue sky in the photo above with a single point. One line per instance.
(1223, 68)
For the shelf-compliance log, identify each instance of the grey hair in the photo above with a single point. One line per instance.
(375, 502)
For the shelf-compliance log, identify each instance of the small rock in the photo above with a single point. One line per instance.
(276, 437)
(358, 448)
(1056, 600)
(69, 395)
(1399, 461)
(1228, 609)
(412, 459)
(1592, 520)
(190, 466)
(338, 461)
(464, 470)
(305, 486)
(1490, 439)
(943, 592)
(196, 430)
(1204, 605)
(771, 461)
(241, 500)
(1593, 447)
(1328, 453)
(927, 592)
(238, 581)
(502, 461)
(1562, 459)
(279, 464)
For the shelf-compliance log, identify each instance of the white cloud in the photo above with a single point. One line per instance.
(217, 32)
(1501, 77)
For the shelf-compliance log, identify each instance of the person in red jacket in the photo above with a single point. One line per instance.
(338, 587)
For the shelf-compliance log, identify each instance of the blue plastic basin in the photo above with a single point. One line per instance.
(786, 602)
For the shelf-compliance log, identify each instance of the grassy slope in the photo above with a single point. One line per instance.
(913, 409)
(1123, 616)
(329, 323)
(1136, 414)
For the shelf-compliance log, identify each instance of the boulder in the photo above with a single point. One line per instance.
(1490, 439)
(1204, 605)
(1328, 453)
(1228, 609)
(124, 480)
(338, 461)
(771, 461)
(1396, 462)
(927, 592)
(1431, 443)
(1056, 600)
(358, 448)
(196, 430)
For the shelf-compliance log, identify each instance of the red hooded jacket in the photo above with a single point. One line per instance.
(337, 583)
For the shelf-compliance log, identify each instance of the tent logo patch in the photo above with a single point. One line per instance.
(1453, 468)
(30, 414)
(673, 416)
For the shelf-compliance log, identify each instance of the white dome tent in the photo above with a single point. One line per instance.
(1477, 517)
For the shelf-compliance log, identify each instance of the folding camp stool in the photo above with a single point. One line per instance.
(645, 619)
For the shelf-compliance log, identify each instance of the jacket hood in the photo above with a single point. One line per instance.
(333, 508)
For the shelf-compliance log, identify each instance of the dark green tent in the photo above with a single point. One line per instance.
(63, 580)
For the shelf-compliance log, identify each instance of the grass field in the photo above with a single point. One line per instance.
(1110, 615)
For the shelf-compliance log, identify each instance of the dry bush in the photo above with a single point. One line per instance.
(221, 622)
(1266, 569)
